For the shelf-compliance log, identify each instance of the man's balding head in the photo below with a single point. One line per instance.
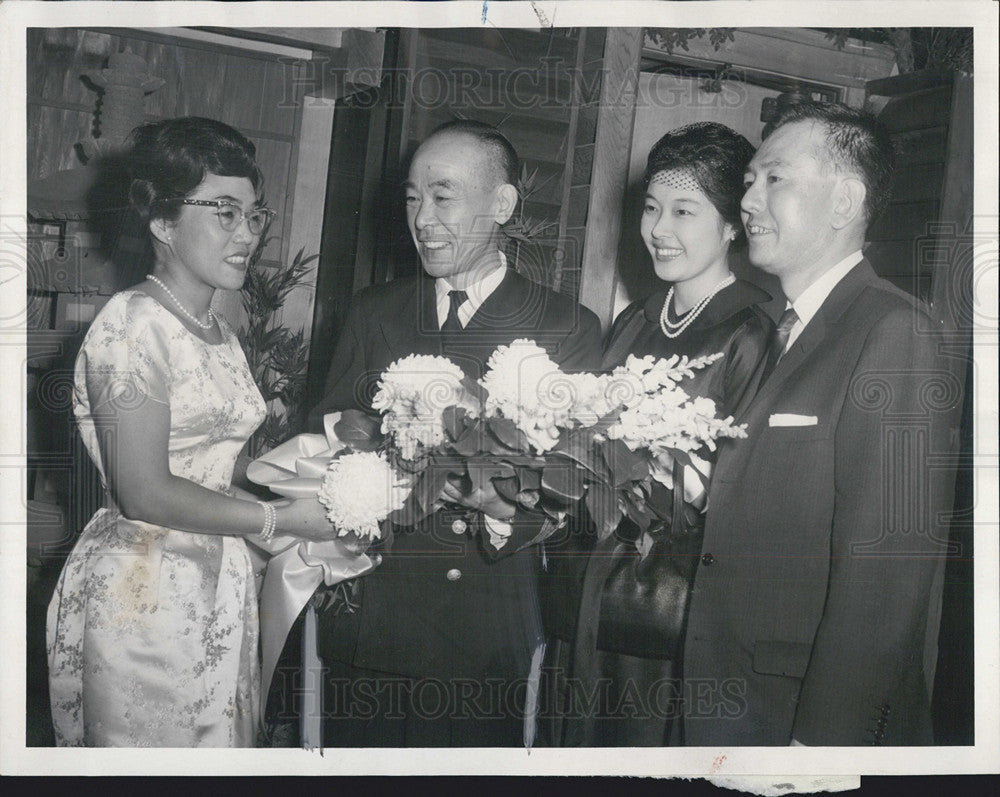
(500, 161)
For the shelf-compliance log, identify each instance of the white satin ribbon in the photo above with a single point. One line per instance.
(297, 567)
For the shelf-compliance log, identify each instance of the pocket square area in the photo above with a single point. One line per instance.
(789, 419)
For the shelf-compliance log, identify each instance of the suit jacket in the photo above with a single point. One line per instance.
(441, 604)
(823, 541)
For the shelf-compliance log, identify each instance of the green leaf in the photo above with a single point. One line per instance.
(529, 478)
(685, 459)
(474, 389)
(660, 501)
(552, 505)
(563, 481)
(625, 465)
(454, 419)
(602, 504)
(469, 442)
(482, 473)
(637, 512)
(359, 430)
(579, 446)
(418, 465)
(506, 431)
(430, 484)
(507, 488)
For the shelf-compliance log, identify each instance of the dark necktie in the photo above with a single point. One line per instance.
(451, 323)
(779, 340)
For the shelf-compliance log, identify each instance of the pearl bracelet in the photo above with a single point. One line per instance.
(270, 521)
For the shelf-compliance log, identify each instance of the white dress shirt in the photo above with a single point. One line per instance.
(477, 293)
(812, 298)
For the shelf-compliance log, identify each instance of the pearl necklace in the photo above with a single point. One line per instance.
(182, 308)
(672, 329)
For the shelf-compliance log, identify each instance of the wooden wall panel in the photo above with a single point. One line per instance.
(281, 94)
(922, 120)
(200, 83)
(52, 135)
(274, 158)
(245, 90)
(922, 146)
(162, 61)
(241, 86)
(64, 59)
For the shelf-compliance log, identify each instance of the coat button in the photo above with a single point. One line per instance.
(454, 574)
(707, 559)
(459, 526)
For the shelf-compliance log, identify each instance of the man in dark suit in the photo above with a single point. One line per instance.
(439, 649)
(825, 533)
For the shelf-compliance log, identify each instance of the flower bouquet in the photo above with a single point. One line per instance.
(543, 438)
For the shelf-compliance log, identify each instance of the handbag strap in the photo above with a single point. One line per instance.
(677, 513)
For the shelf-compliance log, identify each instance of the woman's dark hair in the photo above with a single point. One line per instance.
(170, 158)
(715, 155)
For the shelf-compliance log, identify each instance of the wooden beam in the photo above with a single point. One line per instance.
(609, 180)
(798, 52)
(317, 39)
(567, 176)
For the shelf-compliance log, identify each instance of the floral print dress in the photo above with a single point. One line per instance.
(152, 632)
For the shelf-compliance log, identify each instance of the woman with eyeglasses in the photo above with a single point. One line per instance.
(152, 631)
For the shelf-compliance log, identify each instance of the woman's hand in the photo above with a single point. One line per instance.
(305, 518)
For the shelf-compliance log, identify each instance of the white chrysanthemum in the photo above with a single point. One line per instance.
(526, 386)
(359, 491)
(516, 376)
(413, 393)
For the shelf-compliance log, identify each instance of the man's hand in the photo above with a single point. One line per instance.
(483, 499)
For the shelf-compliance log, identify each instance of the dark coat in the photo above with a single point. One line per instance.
(823, 542)
(441, 604)
(639, 608)
(732, 323)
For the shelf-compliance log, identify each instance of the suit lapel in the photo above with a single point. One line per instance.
(413, 327)
(503, 306)
(840, 299)
(733, 455)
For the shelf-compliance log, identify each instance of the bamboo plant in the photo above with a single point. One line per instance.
(277, 356)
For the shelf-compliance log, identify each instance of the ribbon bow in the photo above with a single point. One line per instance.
(295, 469)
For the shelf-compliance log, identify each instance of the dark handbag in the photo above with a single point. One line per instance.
(644, 599)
